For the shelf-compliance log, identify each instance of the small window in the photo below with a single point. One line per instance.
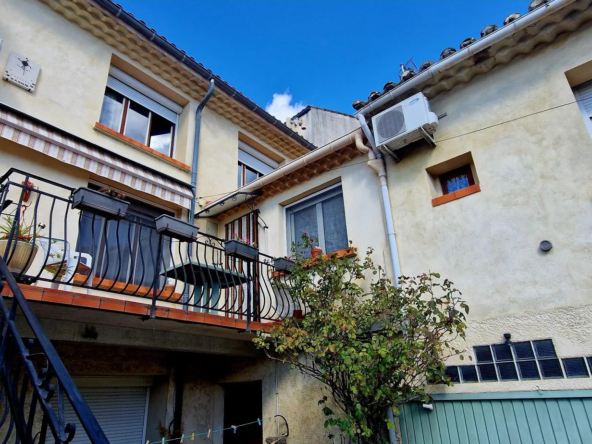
(322, 217)
(457, 179)
(252, 164)
(139, 117)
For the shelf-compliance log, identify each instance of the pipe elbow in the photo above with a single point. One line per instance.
(363, 148)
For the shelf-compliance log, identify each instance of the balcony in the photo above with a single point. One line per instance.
(77, 257)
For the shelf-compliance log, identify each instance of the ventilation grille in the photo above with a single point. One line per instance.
(390, 124)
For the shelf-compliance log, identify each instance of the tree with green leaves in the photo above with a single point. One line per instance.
(375, 345)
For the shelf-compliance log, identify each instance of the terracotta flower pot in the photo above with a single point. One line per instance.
(315, 252)
(19, 262)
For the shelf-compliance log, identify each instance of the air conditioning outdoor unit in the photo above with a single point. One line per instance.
(404, 123)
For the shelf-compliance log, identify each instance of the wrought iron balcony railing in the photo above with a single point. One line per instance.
(43, 239)
(35, 387)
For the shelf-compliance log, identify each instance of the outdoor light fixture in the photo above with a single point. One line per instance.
(428, 406)
(508, 337)
(545, 245)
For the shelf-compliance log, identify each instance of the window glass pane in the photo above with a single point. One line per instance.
(483, 354)
(457, 182)
(528, 370)
(136, 122)
(575, 368)
(502, 352)
(334, 224)
(250, 175)
(507, 371)
(545, 349)
(161, 134)
(469, 373)
(523, 350)
(487, 372)
(305, 221)
(452, 373)
(551, 368)
(112, 109)
(240, 175)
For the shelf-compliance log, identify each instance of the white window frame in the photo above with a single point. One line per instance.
(135, 91)
(313, 199)
(587, 116)
(254, 160)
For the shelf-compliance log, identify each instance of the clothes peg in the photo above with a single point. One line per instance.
(259, 421)
(192, 436)
(182, 437)
(233, 429)
(209, 433)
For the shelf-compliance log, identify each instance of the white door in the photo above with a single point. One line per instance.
(120, 411)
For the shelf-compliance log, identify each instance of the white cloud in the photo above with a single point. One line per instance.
(281, 106)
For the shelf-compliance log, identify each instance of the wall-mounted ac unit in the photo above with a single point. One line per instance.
(404, 123)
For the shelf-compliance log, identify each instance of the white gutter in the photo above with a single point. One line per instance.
(297, 164)
(493, 38)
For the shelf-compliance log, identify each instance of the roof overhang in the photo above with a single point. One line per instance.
(522, 36)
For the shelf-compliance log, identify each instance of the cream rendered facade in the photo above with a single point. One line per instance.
(531, 152)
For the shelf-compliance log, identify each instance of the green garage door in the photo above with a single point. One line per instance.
(563, 417)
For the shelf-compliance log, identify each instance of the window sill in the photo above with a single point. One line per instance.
(127, 140)
(456, 195)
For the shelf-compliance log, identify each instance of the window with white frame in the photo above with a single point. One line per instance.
(583, 94)
(320, 216)
(140, 113)
(252, 164)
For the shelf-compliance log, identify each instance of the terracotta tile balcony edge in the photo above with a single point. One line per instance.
(135, 144)
(62, 297)
(440, 200)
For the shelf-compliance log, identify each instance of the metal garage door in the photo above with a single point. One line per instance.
(559, 418)
(120, 411)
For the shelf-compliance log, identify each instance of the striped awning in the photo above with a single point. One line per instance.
(67, 149)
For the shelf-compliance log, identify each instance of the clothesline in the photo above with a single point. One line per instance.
(191, 436)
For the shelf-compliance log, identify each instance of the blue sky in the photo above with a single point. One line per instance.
(325, 53)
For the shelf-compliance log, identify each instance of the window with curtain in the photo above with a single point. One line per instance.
(457, 179)
(134, 110)
(321, 216)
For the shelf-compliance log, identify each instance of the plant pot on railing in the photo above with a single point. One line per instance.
(101, 204)
(20, 254)
(241, 250)
(175, 228)
(283, 264)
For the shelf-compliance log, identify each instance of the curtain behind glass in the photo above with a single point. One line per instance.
(334, 224)
(305, 221)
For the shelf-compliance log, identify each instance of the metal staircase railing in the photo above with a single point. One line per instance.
(34, 383)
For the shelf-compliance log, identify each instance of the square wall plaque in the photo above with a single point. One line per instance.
(21, 71)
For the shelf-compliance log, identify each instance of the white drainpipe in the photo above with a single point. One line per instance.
(379, 167)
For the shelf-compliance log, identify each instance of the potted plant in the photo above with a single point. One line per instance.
(241, 248)
(23, 249)
(283, 264)
(106, 202)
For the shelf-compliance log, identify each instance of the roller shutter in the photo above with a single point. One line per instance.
(120, 411)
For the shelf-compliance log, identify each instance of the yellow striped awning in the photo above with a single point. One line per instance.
(67, 149)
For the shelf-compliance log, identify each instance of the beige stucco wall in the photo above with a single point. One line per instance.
(534, 178)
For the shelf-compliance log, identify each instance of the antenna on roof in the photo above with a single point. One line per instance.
(409, 65)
